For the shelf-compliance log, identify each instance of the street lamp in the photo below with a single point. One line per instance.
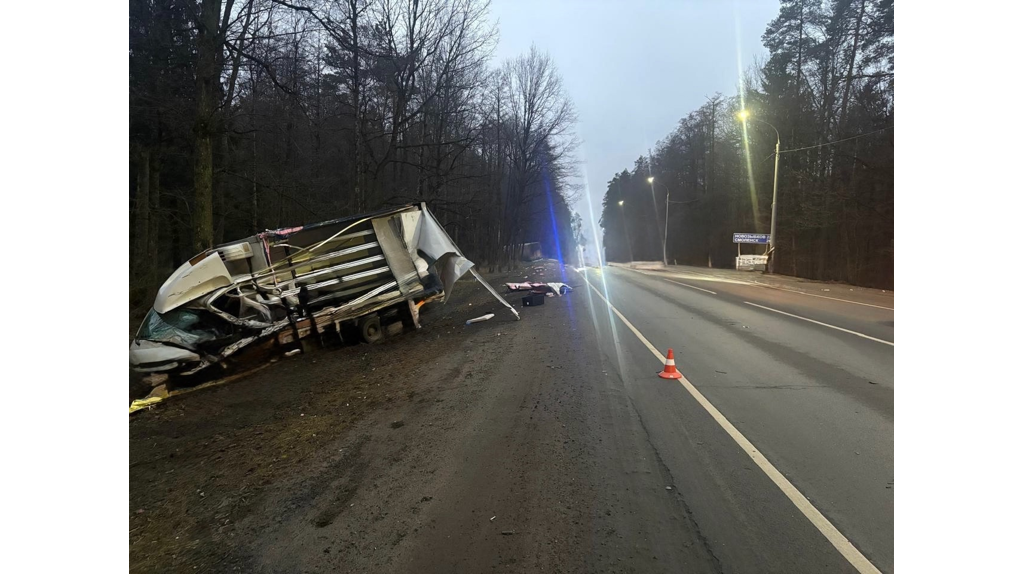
(744, 115)
(625, 229)
(664, 236)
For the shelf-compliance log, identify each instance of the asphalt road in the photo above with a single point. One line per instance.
(541, 445)
(817, 401)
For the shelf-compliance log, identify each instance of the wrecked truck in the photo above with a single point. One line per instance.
(355, 276)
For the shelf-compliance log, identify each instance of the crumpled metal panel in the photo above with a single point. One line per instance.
(390, 236)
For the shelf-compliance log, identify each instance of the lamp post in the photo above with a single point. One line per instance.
(625, 229)
(745, 115)
(664, 236)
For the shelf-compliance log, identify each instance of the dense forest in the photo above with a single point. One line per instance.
(257, 114)
(826, 94)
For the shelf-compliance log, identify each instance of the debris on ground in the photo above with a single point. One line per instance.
(480, 319)
(139, 404)
(558, 289)
(533, 299)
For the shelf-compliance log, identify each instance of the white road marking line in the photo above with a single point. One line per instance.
(841, 543)
(691, 286)
(823, 297)
(890, 343)
(766, 285)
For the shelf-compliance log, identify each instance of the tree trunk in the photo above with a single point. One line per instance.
(849, 71)
(142, 216)
(800, 57)
(357, 166)
(219, 191)
(152, 250)
(255, 203)
(207, 78)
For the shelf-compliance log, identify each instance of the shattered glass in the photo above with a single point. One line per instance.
(182, 327)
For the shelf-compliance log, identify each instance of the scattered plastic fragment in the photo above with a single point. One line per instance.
(480, 319)
(540, 288)
(143, 403)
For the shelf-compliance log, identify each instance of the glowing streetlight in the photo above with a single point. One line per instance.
(744, 115)
(664, 236)
(625, 229)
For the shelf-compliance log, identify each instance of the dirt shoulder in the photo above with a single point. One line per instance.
(289, 449)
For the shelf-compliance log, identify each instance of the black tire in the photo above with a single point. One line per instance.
(370, 331)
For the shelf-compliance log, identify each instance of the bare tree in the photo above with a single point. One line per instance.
(537, 133)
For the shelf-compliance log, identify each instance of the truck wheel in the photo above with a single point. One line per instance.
(369, 329)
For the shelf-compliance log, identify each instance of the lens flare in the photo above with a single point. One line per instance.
(554, 233)
(597, 243)
(744, 114)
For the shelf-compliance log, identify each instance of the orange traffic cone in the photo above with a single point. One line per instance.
(670, 371)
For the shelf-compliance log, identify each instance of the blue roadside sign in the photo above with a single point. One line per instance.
(761, 238)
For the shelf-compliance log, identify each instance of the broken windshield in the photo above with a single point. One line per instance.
(182, 327)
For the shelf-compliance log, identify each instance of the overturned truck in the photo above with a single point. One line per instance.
(355, 275)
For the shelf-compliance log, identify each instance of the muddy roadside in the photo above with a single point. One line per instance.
(213, 470)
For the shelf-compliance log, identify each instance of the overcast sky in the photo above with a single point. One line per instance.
(634, 69)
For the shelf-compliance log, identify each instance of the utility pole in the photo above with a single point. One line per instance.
(744, 115)
(625, 229)
(664, 236)
(710, 165)
(654, 201)
(775, 205)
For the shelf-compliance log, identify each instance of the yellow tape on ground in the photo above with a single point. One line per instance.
(139, 404)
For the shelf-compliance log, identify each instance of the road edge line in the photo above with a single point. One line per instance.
(767, 286)
(690, 286)
(890, 343)
(827, 529)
